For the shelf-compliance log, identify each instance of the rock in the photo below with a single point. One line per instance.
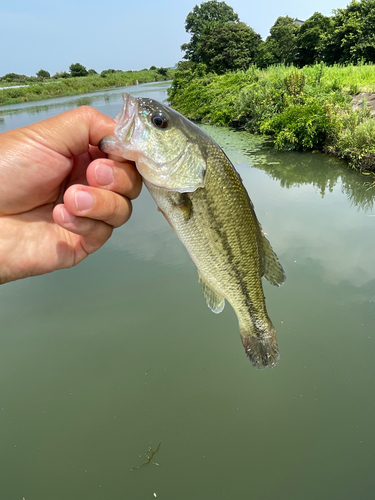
(369, 98)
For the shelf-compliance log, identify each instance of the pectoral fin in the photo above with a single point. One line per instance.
(182, 202)
(272, 269)
(214, 301)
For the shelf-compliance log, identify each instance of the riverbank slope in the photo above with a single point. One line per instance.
(80, 85)
(302, 109)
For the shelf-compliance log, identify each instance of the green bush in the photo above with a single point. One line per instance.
(361, 136)
(259, 101)
(301, 126)
(295, 83)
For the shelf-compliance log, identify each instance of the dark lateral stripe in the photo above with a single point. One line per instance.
(219, 228)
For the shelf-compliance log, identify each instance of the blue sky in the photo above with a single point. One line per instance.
(52, 34)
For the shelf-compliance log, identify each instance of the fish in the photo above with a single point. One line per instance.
(201, 195)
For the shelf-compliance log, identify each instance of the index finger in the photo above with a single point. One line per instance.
(71, 133)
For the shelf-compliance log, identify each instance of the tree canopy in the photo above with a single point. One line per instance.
(219, 40)
(202, 16)
(352, 34)
(14, 77)
(309, 39)
(42, 74)
(227, 46)
(280, 45)
(208, 12)
(78, 69)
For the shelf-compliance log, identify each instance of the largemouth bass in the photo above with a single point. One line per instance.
(202, 197)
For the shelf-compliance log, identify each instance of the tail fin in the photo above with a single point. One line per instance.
(260, 344)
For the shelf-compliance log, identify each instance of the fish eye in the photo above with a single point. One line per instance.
(159, 120)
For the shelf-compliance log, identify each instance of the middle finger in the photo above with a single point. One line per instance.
(98, 204)
(120, 177)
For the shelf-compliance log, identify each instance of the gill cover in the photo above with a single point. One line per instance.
(183, 173)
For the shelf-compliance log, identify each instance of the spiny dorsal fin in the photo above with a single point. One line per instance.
(272, 269)
(214, 301)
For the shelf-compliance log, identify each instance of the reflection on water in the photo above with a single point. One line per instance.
(295, 169)
(84, 101)
(239, 146)
(321, 171)
(100, 362)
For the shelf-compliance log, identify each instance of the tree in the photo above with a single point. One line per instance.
(309, 39)
(92, 72)
(61, 74)
(162, 71)
(14, 77)
(280, 45)
(106, 72)
(352, 35)
(200, 17)
(230, 46)
(42, 74)
(77, 69)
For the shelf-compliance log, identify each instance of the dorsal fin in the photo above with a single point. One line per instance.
(272, 269)
(214, 301)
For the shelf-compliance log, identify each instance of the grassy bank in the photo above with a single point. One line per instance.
(81, 85)
(303, 109)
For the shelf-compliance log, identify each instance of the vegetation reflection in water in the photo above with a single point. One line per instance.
(294, 169)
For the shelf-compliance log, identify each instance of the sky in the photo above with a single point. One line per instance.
(120, 34)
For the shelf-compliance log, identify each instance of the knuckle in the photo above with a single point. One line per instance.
(135, 185)
(87, 111)
(121, 210)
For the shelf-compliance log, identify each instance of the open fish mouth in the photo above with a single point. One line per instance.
(126, 119)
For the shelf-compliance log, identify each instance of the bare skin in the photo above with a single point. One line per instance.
(60, 197)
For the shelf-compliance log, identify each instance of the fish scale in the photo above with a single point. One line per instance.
(211, 213)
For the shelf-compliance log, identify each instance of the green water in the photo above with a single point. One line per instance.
(100, 362)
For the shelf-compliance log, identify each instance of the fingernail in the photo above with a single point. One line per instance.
(84, 200)
(66, 216)
(104, 174)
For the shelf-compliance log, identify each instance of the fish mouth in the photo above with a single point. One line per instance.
(126, 119)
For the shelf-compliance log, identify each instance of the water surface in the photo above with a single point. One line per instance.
(100, 362)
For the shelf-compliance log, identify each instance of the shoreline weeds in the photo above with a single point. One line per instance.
(313, 108)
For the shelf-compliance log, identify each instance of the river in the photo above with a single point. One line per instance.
(100, 363)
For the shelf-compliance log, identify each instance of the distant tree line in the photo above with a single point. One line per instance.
(221, 42)
(75, 70)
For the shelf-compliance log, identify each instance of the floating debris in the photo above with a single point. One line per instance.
(149, 458)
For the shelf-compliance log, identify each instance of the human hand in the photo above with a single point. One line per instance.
(60, 197)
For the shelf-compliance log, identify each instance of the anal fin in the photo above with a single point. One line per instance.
(214, 301)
